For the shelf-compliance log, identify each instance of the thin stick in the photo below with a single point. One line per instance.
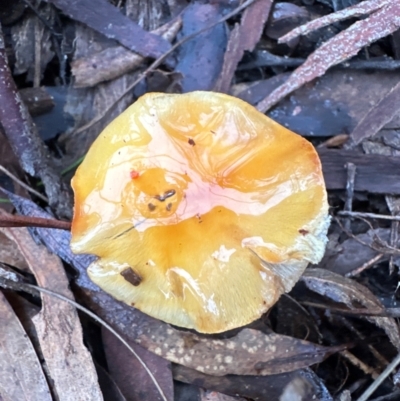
(13, 220)
(364, 266)
(158, 61)
(29, 287)
(359, 364)
(348, 206)
(376, 312)
(379, 380)
(369, 215)
(27, 187)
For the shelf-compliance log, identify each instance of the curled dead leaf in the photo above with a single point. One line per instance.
(347, 291)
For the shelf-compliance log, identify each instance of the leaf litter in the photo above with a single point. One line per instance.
(80, 379)
(384, 21)
(361, 117)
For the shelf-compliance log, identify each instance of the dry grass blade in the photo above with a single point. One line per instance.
(341, 47)
(365, 7)
(27, 187)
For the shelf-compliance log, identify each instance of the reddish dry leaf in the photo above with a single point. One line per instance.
(21, 375)
(365, 7)
(103, 17)
(59, 331)
(352, 294)
(242, 38)
(341, 47)
(378, 116)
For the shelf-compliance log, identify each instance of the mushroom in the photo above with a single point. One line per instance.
(202, 211)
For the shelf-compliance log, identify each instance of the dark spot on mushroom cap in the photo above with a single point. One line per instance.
(165, 195)
(191, 142)
(151, 207)
(131, 276)
(302, 231)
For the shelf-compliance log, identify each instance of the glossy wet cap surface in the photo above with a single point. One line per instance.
(202, 210)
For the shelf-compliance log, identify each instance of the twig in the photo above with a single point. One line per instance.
(369, 215)
(348, 206)
(38, 55)
(30, 287)
(359, 364)
(375, 312)
(23, 185)
(394, 207)
(357, 10)
(346, 322)
(30, 221)
(379, 380)
(364, 266)
(382, 246)
(156, 63)
(388, 397)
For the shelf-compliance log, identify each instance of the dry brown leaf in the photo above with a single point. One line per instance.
(59, 331)
(21, 375)
(129, 375)
(378, 116)
(243, 38)
(341, 47)
(10, 254)
(26, 35)
(352, 294)
(250, 352)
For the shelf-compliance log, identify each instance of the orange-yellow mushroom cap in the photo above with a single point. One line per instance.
(202, 211)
